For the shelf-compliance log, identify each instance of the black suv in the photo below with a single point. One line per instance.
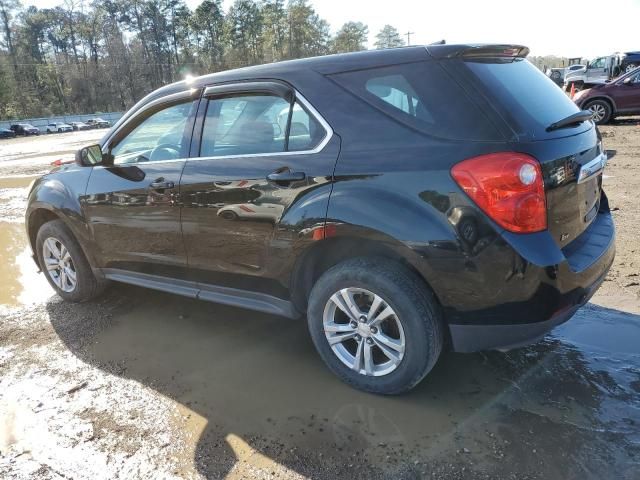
(406, 200)
(97, 123)
(24, 129)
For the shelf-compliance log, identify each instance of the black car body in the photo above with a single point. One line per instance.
(363, 163)
(24, 129)
(6, 133)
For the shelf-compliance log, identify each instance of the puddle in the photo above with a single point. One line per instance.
(20, 282)
(245, 375)
(16, 181)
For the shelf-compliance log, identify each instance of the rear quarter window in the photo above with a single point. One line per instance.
(424, 97)
(525, 96)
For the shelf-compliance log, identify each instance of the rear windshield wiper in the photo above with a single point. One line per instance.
(581, 116)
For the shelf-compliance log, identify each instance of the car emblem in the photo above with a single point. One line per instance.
(594, 166)
(564, 236)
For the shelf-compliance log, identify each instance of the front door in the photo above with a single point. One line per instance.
(261, 154)
(131, 203)
(627, 95)
(597, 70)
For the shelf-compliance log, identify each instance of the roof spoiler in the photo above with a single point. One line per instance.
(477, 51)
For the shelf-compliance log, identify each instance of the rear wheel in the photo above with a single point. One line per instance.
(630, 67)
(601, 111)
(375, 324)
(64, 264)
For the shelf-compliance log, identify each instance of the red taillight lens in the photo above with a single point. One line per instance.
(508, 187)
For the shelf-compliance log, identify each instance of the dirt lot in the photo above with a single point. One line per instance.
(142, 384)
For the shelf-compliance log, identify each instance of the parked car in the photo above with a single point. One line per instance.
(458, 205)
(79, 126)
(6, 133)
(98, 123)
(618, 98)
(630, 62)
(59, 127)
(24, 129)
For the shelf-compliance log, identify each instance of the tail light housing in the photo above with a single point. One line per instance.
(508, 187)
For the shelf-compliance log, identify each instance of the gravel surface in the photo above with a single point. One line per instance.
(143, 384)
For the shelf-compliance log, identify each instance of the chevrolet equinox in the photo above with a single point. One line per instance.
(406, 201)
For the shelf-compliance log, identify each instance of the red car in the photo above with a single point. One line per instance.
(618, 98)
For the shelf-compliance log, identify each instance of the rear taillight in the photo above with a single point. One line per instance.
(508, 187)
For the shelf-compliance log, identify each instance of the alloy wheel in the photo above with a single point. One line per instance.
(598, 112)
(59, 264)
(364, 331)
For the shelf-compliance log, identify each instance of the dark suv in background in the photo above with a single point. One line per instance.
(24, 129)
(618, 98)
(406, 200)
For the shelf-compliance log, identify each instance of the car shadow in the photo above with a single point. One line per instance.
(258, 384)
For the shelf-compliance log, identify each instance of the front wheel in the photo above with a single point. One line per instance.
(64, 264)
(601, 111)
(630, 67)
(375, 324)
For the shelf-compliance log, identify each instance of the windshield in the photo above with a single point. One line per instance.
(523, 94)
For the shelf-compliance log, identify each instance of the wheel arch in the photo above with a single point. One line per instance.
(322, 255)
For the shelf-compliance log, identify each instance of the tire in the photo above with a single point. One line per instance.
(601, 110)
(416, 323)
(229, 215)
(630, 67)
(87, 285)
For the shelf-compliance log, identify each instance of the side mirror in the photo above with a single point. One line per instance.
(627, 81)
(89, 156)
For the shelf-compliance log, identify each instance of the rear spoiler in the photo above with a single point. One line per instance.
(477, 51)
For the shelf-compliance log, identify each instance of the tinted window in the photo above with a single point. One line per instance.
(423, 96)
(253, 124)
(523, 93)
(157, 137)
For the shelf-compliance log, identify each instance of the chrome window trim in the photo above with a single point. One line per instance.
(313, 112)
(177, 96)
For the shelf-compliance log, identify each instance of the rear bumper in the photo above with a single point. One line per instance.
(567, 286)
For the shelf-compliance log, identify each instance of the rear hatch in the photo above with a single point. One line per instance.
(536, 112)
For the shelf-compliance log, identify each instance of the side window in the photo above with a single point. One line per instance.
(597, 63)
(255, 124)
(158, 137)
(305, 132)
(397, 92)
(420, 95)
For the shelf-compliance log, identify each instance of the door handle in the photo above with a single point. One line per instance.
(161, 184)
(286, 176)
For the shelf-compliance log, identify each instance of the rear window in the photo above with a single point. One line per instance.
(422, 96)
(522, 93)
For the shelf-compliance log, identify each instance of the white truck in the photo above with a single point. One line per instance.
(602, 69)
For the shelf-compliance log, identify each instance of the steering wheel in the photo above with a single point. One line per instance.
(164, 151)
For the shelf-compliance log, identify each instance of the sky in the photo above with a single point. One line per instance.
(584, 28)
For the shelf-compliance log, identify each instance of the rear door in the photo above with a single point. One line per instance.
(259, 153)
(132, 203)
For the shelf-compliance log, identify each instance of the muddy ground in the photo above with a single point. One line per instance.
(141, 384)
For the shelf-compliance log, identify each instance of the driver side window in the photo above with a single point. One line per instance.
(597, 63)
(158, 137)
